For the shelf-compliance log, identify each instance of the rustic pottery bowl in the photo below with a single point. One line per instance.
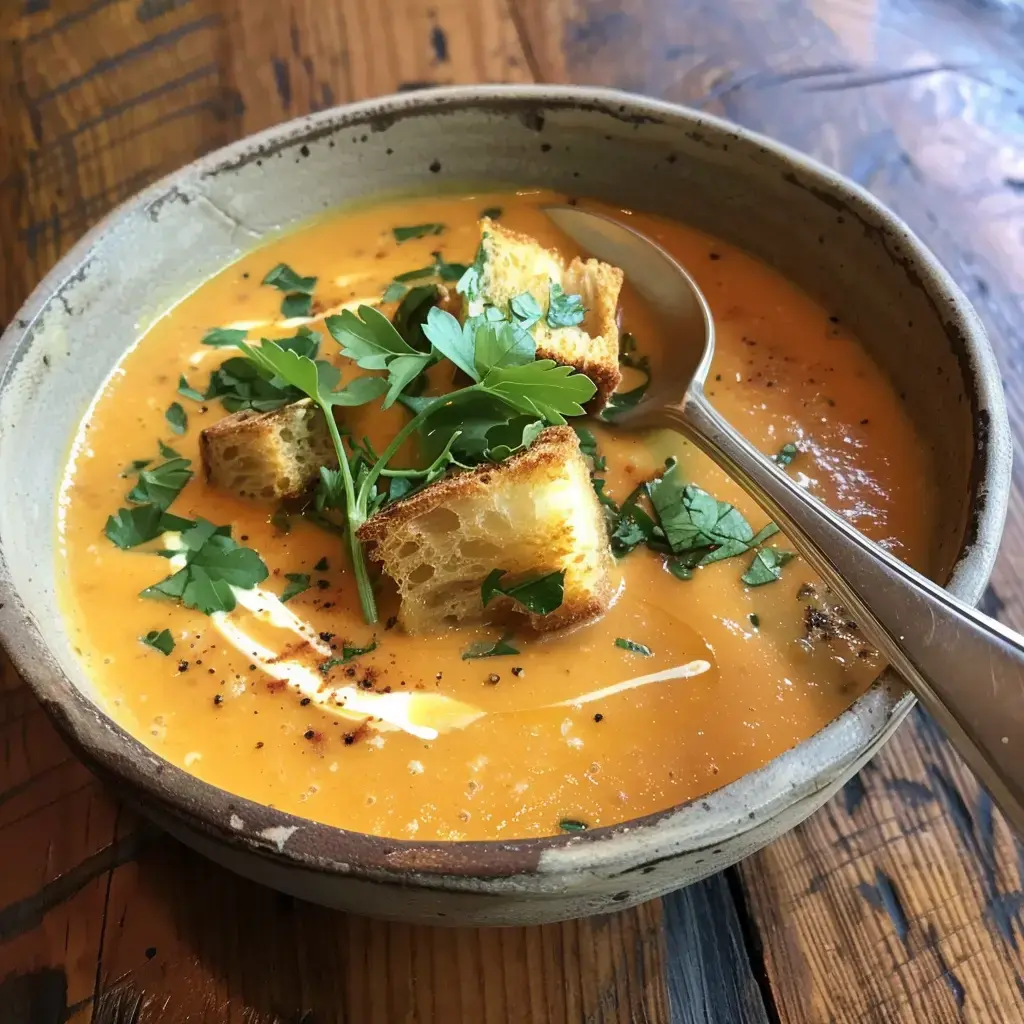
(819, 229)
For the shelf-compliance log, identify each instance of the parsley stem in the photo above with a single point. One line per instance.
(366, 598)
(400, 437)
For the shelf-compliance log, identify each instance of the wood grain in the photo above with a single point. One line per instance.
(901, 901)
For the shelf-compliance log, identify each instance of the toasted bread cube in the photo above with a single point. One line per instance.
(275, 454)
(533, 514)
(515, 263)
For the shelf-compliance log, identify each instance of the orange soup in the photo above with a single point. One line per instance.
(770, 662)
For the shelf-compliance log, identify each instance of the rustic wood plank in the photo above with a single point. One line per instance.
(902, 900)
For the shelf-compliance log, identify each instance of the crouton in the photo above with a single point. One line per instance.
(275, 454)
(514, 263)
(533, 514)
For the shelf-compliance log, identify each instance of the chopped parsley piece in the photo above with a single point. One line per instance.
(526, 309)
(564, 310)
(161, 641)
(296, 304)
(322, 566)
(224, 337)
(134, 466)
(187, 391)
(786, 454)
(755, 620)
(214, 565)
(633, 646)
(439, 268)
(130, 527)
(766, 566)
(416, 231)
(471, 281)
(176, 417)
(284, 279)
(166, 451)
(489, 649)
(297, 583)
(621, 401)
(160, 485)
(588, 445)
(412, 314)
(540, 595)
(572, 825)
(393, 292)
(347, 655)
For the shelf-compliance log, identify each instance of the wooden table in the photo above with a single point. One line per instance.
(901, 900)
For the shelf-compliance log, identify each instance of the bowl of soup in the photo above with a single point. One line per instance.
(320, 542)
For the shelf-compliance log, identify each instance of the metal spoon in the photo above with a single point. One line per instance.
(966, 669)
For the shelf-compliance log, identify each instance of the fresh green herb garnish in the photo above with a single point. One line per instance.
(471, 281)
(214, 564)
(493, 359)
(166, 451)
(134, 466)
(296, 305)
(298, 290)
(322, 566)
(412, 314)
(526, 310)
(224, 337)
(161, 641)
(766, 566)
(284, 279)
(755, 620)
(416, 231)
(347, 655)
(160, 485)
(393, 292)
(491, 212)
(440, 268)
(564, 310)
(176, 418)
(786, 454)
(588, 445)
(633, 646)
(624, 400)
(297, 583)
(187, 391)
(489, 649)
(130, 527)
(540, 595)
(572, 825)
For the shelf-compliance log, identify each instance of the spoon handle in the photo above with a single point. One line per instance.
(967, 669)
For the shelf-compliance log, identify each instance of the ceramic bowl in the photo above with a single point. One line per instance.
(820, 230)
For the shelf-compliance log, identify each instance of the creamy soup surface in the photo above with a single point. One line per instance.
(786, 371)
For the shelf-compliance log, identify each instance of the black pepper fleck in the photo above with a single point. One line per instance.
(517, 671)
(219, 699)
(599, 717)
(305, 701)
(323, 584)
(392, 622)
(182, 666)
(494, 678)
(259, 744)
(309, 734)
(326, 637)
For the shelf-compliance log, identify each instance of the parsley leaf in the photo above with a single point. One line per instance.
(284, 279)
(416, 231)
(471, 282)
(766, 566)
(393, 292)
(161, 641)
(588, 445)
(134, 466)
(786, 454)
(214, 564)
(455, 341)
(166, 451)
(224, 337)
(526, 309)
(540, 595)
(297, 583)
(571, 825)
(323, 565)
(564, 310)
(412, 313)
(176, 417)
(347, 655)
(130, 527)
(296, 304)
(633, 646)
(187, 391)
(489, 649)
(624, 400)
(542, 388)
(501, 344)
(160, 485)
(439, 268)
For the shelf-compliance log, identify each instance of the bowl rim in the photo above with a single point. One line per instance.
(494, 865)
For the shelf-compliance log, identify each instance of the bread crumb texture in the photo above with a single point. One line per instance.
(533, 514)
(515, 263)
(275, 454)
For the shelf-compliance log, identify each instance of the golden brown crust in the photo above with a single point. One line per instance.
(553, 445)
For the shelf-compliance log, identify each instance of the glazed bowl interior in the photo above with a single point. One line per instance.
(821, 233)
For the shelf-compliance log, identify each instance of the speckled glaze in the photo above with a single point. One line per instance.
(819, 229)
